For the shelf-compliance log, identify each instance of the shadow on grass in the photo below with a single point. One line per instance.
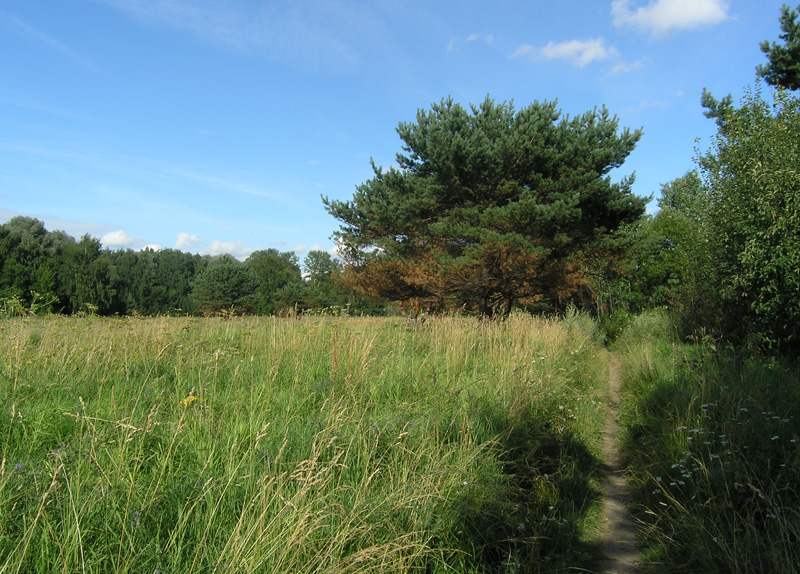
(713, 454)
(530, 517)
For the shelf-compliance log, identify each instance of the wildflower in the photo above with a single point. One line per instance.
(19, 466)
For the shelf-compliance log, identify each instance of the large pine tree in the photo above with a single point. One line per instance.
(488, 206)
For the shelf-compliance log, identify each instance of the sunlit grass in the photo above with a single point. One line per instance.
(312, 445)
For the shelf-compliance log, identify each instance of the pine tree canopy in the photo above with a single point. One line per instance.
(783, 67)
(488, 205)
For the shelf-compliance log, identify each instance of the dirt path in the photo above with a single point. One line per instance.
(619, 538)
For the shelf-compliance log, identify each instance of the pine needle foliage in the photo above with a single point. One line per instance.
(488, 205)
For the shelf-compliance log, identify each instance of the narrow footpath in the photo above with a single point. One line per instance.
(619, 537)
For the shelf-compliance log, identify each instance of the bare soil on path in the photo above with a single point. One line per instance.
(619, 537)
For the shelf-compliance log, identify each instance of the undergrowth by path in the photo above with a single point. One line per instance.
(713, 453)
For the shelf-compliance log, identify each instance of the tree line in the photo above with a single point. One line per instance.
(492, 208)
(45, 271)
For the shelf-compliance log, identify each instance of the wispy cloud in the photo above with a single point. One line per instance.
(225, 184)
(73, 228)
(41, 38)
(142, 168)
(624, 67)
(482, 37)
(317, 32)
(647, 105)
(579, 53)
(27, 103)
(662, 17)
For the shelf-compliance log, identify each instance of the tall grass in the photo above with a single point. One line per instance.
(713, 447)
(313, 445)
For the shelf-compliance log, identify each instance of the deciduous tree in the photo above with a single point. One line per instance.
(279, 277)
(226, 287)
(753, 180)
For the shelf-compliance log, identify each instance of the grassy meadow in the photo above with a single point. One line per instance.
(713, 452)
(318, 445)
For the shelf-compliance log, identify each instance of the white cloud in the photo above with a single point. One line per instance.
(579, 53)
(305, 249)
(623, 67)
(335, 251)
(152, 247)
(116, 239)
(235, 248)
(186, 241)
(661, 17)
(646, 105)
(488, 38)
(476, 37)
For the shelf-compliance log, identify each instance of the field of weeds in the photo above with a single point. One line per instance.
(312, 445)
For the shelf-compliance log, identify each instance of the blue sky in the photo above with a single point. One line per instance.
(214, 126)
